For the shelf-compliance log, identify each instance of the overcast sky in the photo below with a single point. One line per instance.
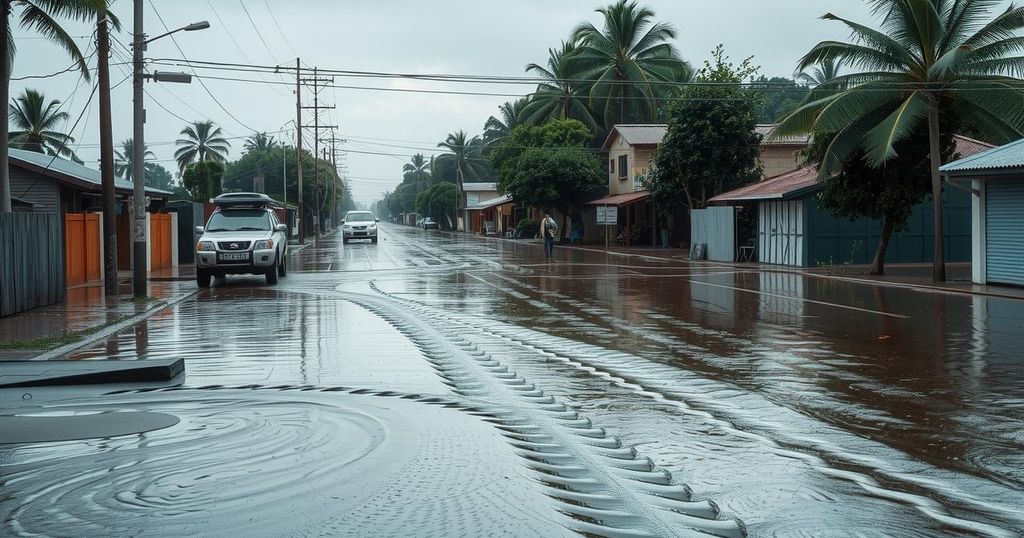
(465, 37)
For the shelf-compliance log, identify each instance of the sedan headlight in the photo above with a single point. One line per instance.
(372, 227)
(264, 244)
(205, 246)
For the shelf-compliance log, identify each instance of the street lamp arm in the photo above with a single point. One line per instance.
(202, 25)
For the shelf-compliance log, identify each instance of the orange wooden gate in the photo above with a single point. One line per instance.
(160, 240)
(82, 247)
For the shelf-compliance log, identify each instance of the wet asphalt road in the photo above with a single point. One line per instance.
(803, 406)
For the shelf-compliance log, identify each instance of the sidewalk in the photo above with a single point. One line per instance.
(84, 311)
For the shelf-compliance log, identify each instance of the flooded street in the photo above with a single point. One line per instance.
(778, 403)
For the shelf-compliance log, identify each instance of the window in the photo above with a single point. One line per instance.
(611, 166)
(623, 166)
(236, 220)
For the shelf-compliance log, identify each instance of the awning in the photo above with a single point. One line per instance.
(493, 202)
(622, 199)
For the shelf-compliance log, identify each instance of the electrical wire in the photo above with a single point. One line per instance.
(201, 83)
(283, 36)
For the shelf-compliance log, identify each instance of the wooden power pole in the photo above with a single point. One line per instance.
(106, 157)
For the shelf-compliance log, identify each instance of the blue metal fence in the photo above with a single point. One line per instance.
(31, 261)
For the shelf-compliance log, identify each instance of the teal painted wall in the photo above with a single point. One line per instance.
(837, 241)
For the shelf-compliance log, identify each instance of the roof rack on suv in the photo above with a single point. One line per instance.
(246, 199)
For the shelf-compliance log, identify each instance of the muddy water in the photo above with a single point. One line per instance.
(803, 406)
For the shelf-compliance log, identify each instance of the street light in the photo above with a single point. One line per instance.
(139, 233)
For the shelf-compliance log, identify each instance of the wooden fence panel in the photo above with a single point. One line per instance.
(31, 261)
(93, 270)
(160, 232)
(74, 254)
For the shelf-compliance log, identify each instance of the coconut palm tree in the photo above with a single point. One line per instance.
(931, 61)
(123, 165)
(259, 142)
(496, 129)
(35, 120)
(558, 96)
(815, 76)
(203, 142)
(41, 16)
(468, 156)
(629, 59)
(417, 169)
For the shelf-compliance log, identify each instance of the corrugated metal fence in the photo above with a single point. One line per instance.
(31, 261)
(716, 228)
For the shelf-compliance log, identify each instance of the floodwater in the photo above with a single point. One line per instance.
(789, 405)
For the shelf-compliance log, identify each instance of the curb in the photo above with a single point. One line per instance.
(111, 329)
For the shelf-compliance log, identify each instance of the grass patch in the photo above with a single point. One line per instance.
(45, 343)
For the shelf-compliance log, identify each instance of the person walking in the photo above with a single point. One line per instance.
(548, 230)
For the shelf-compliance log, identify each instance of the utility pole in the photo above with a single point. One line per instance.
(337, 178)
(106, 157)
(298, 146)
(139, 286)
(316, 82)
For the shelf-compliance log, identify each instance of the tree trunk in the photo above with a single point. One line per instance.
(939, 263)
(5, 97)
(106, 159)
(565, 223)
(878, 265)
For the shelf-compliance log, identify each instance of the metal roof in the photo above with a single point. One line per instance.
(479, 187)
(802, 180)
(1001, 158)
(487, 204)
(63, 169)
(766, 130)
(649, 134)
(622, 199)
(774, 188)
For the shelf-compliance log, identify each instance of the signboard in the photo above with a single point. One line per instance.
(607, 215)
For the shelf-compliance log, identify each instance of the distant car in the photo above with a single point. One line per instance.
(243, 236)
(419, 222)
(359, 225)
(429, 224)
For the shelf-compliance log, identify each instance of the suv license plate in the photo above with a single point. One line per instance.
(234, 256)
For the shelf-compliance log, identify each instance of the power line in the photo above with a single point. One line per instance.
(257, 30)
(284, 37)
(201, 83)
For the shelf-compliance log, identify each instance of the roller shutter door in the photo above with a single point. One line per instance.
(1004, 231)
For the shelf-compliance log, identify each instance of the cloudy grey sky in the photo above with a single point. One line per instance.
(483, 37)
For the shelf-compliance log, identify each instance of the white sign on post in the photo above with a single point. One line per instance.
(607, 216)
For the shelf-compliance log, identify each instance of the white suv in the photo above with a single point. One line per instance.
(359, 225)
(243, 236)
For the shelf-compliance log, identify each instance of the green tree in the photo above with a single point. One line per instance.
(42, 16)
(259, 142)
(203, 142)
(566, 133)
(630, 58)
(417, 170)
(711, 145)
(202, 180)
(559, 96)
(779, 96)
(889, 194)
(495, 129)
(159, 177)
(817, 75)
(36, 120)
(932, 65)
(123, 166)
(561, 178)
(438, 203)
(467, 153)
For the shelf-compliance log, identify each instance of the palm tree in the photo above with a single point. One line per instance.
(821, 73)
(559, 96)
(259, 142)
(123, 164)
(35, 120)
(41, 16)
(932, 60)
(495, 129)
(468, 156)
(418, 169)
(202, 142)
(629, 59)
